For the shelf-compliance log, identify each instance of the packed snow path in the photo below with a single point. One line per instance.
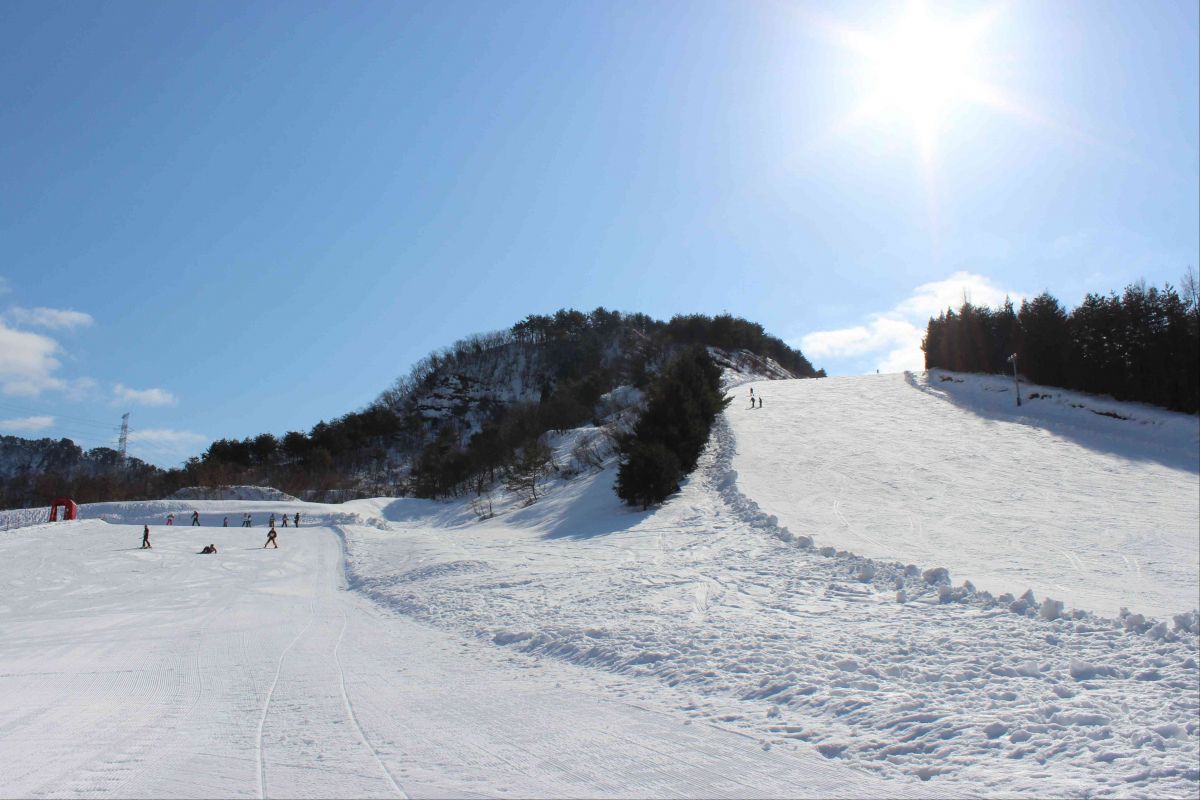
(1060, 496)
(163, 673)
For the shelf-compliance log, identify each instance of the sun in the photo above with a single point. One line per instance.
(923, 69)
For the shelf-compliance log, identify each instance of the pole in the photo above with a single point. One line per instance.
(1016, 382)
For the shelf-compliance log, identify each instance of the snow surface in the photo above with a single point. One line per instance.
(574, 647)
(163, 673)
(1055, 496)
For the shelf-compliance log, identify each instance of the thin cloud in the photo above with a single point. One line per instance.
(54, 319)
(893, 338)
(26, 424)
(144, 397)
(166, 437)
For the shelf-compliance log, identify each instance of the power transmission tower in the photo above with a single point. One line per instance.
(124, 440)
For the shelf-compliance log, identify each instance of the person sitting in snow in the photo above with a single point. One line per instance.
(271, 539)
(211, 548)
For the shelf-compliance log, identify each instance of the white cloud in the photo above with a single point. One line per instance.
(894, 337)
(28, 362)
(145, 397)
(930, 299)
(51, 318)
(26, 423)
(166, 437)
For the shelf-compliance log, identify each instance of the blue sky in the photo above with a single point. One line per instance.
(229, 218)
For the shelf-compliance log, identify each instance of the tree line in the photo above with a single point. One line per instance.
(1142, 345)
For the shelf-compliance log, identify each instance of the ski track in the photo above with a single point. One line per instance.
(724, 645)
(252, 673)
(815, 646)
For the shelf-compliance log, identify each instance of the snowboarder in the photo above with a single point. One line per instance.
(195, 518)
(297, 519)
(145, 537)
(210, 548)
(271, 539)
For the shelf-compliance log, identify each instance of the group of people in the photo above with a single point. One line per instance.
(195, 519)
(247, 520)
(212, 548)
(285, 520)
(753, 398)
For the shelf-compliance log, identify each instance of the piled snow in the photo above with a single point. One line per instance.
(230, 493)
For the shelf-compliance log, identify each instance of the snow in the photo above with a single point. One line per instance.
(1095, 511)
(738, 641)
(156, 673)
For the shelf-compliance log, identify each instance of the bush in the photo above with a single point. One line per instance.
(649, 474)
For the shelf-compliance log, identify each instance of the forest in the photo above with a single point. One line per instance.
(1141, 345)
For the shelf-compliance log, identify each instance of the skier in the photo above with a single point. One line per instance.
(297, 519)
(210, 548)
(170, 519)
(760, 401)
(285, 520)
(271, 539)
(272, 519)
(225, 524)
(195, 518)
(145, 537)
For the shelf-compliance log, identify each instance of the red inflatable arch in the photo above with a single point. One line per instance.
(70, 510)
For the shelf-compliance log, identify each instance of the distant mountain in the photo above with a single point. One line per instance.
(463, 415)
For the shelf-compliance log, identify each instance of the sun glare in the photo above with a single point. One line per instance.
(922, 70)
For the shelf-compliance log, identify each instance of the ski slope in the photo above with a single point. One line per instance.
(734, 642)
(1056, 496)
(252, 673)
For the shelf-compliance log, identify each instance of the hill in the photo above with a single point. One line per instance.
(460, 420)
